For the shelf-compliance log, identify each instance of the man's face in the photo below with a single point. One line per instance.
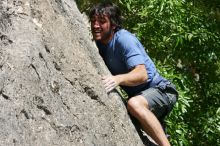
(101, 28)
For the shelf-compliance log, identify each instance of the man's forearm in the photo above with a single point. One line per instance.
(135, 77)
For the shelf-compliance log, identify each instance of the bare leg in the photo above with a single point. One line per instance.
(138, 107)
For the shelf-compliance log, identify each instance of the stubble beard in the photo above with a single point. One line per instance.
(104, 38)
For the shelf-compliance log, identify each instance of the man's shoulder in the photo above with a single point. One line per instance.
(124, 36)
(123, 32)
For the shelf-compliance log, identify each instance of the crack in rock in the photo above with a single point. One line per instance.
(32, 65)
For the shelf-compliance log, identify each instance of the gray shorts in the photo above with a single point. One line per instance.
(160, 100)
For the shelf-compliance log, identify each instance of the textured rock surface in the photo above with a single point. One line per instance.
(50, 88)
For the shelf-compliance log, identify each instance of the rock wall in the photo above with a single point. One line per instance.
(50, 88)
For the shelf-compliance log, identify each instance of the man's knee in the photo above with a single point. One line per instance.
(136, 104)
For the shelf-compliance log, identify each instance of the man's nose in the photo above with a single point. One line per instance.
(96, 24)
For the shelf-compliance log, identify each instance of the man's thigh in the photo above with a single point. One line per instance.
(158, 102)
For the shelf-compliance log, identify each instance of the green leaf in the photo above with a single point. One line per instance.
(190, 36)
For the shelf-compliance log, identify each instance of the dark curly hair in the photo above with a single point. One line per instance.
(108, 9)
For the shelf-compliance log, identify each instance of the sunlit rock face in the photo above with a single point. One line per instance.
(50, 88)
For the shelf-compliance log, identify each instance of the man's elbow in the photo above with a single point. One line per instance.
(142, 74)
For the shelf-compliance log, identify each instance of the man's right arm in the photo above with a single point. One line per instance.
(136, 76)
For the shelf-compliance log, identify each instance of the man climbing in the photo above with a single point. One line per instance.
(151, 97)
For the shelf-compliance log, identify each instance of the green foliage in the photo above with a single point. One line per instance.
(183, 38)
(177, 126)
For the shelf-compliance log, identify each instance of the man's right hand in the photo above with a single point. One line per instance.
(110, 82)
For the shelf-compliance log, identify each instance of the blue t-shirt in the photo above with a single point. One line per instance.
(123, 53)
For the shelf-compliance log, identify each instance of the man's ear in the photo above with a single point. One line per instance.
(113, 27)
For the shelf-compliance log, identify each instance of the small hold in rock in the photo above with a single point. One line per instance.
(47, 49)
(14, 141)
(40, 55)
(44, 108)
(38, 100)
(5, 96)
(25, 113)
(57, 66)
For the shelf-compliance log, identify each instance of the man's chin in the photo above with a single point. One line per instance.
(96, 38)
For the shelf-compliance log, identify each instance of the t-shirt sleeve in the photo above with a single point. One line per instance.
(130, 50)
